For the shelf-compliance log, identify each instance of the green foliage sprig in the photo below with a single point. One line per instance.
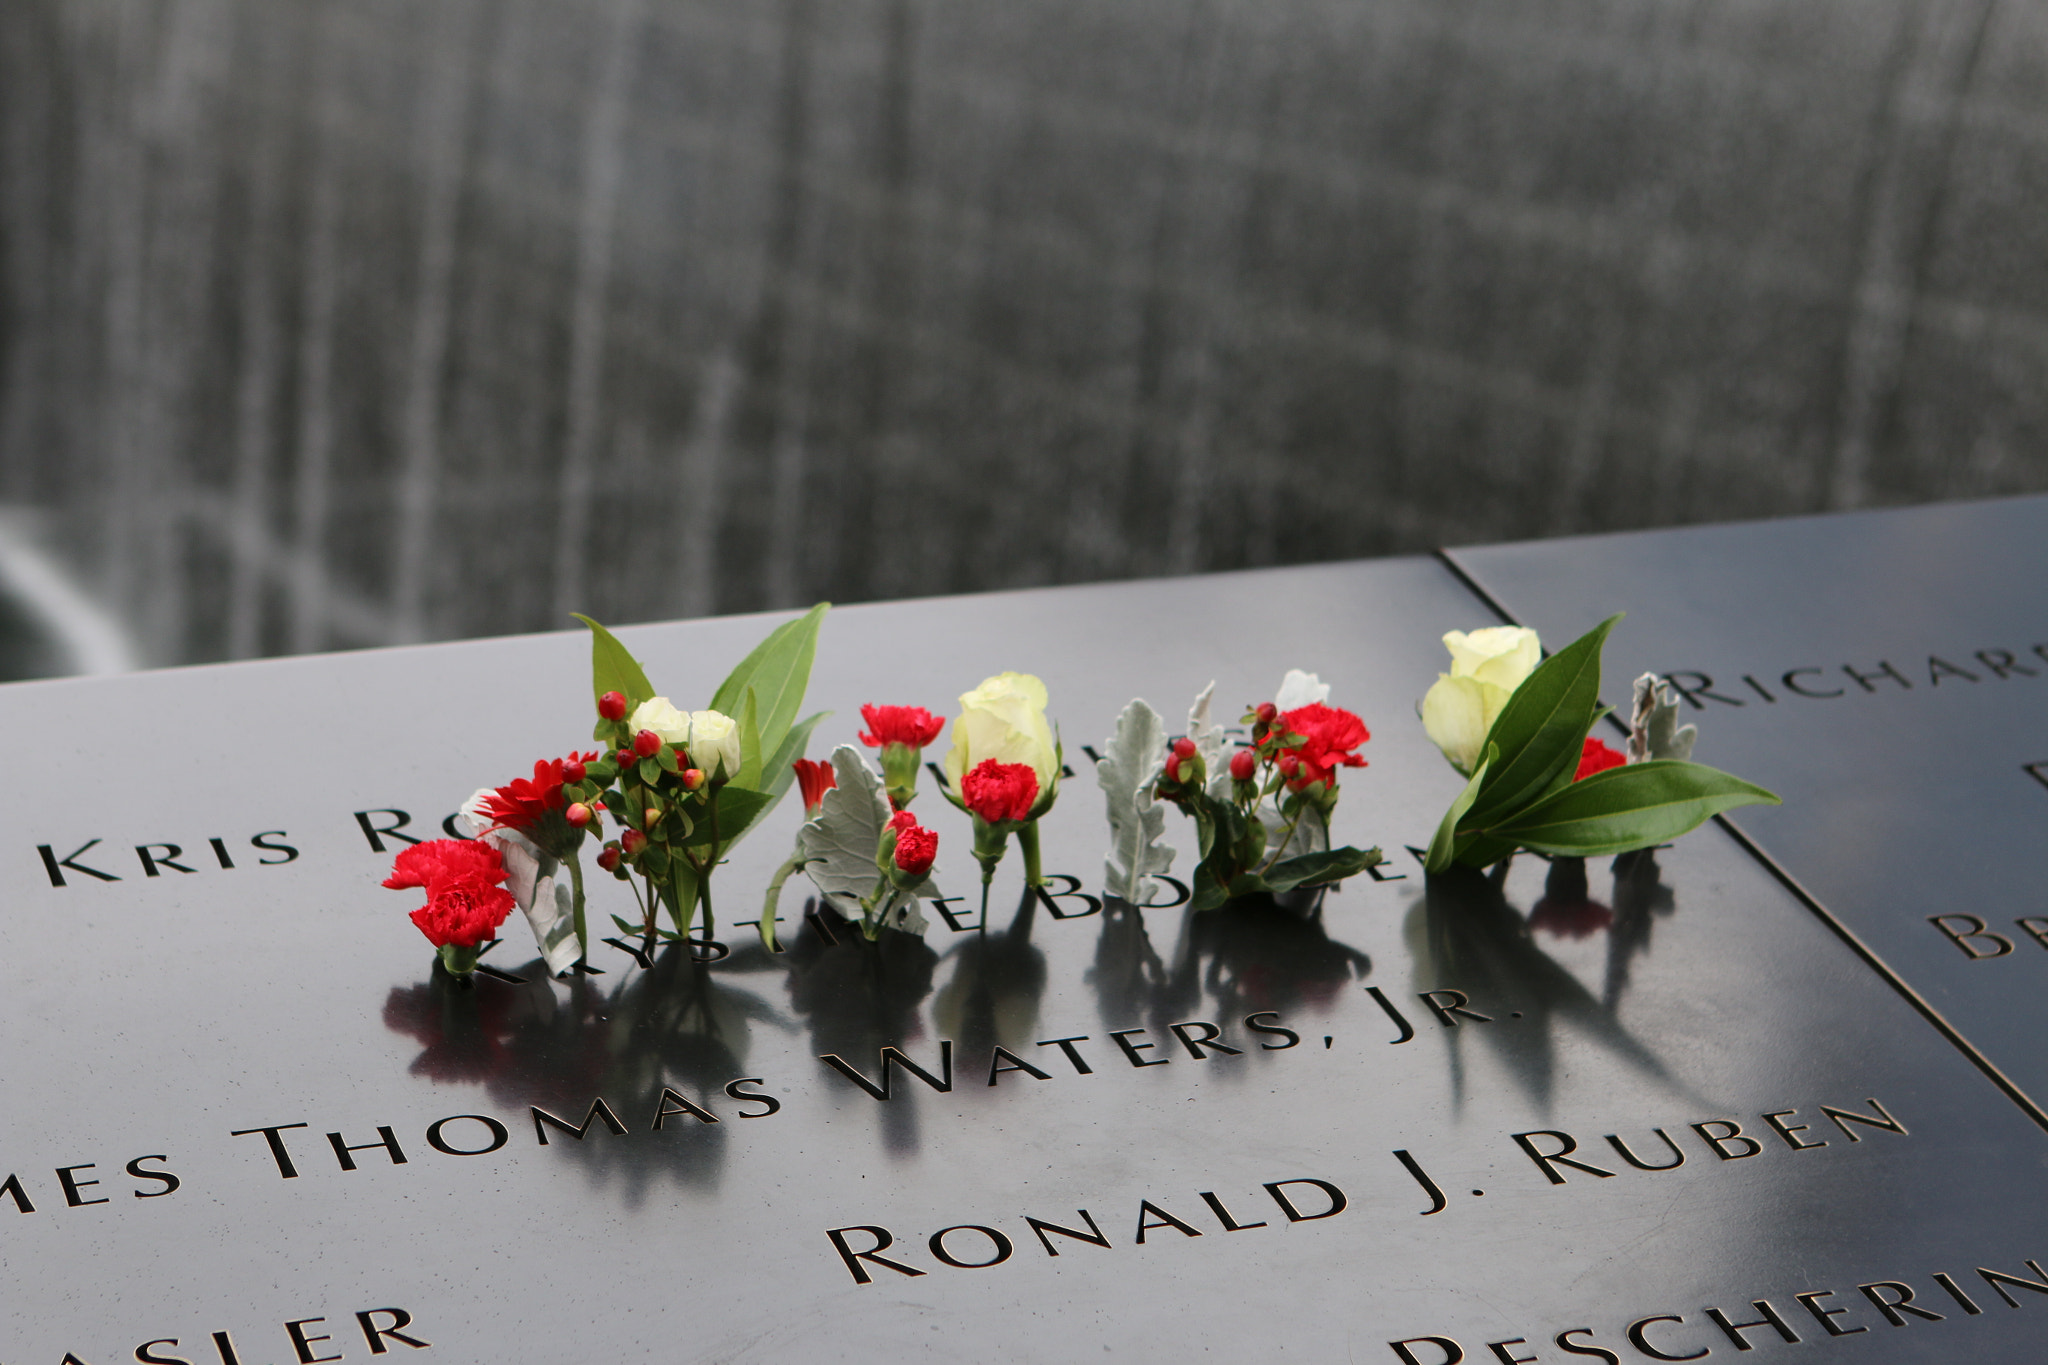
(1522, 794)
(678, 823)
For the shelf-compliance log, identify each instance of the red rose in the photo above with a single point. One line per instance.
(909, 725)
(815, 779)
(999, 792)
(466, 898)
(1330, 735)
(916, 846)
(1596, 757)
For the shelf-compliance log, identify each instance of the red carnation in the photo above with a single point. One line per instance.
(916, 846)
(909, 725)
(466, 898)
(1330, 736)
(522, 805)
(815, 779)
(1000, 792)
(1596, 757)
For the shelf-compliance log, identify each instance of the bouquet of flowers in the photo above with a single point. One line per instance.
(1519, 731)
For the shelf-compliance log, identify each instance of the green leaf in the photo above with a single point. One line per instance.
(1629, 807)
(666, 757)
(613, 667)
(737, 808)
(779, 670)
(1443, 847)
(680, 891)
(1208, 893)
(650, 772)
(749, 775)
(1316, 869)
(1543, 726)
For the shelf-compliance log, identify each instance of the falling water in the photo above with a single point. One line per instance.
(366, 321)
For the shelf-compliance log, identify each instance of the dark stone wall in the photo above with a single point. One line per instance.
(355, 321)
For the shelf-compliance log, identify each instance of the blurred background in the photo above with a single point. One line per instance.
(332, 323)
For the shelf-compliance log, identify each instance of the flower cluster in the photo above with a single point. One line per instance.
(1516, 726)
(466, 897)
(1264, 821)
(868, 859)
(1004, 769)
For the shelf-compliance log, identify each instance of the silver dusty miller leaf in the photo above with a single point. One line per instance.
(1211, 743)
(838, 843)
(1128, 774)
(530, 875)
(1654, 731)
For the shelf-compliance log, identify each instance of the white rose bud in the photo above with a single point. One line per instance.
(714, 744)
(1501, 655)
(662, 717)
(1004, 719)
(1486, 667)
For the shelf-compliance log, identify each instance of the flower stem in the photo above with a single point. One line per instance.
(1027, 839)
(1286, 837)
(576, 903)
(774, 903)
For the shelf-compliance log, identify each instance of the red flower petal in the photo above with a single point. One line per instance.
(1597, 757)
(1000, 792)
(911, 725)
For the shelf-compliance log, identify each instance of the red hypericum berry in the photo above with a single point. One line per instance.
(626, 758)
(693, 778)
(572, 771)
(647, 744)
(1268, 712)
(578, 814)
(1173, 767)
(1289, 763)
(1184, 746)
(612, 706)
(632, 841)
(608, 858)
(1243, 764)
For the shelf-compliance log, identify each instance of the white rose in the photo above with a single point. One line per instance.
(714, 742)
(662, 717)
(1457, 713)
(1502, 655)
(1004, 719)
(1486, 667)
(1299, 689)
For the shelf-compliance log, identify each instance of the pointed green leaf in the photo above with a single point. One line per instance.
(1317, 869)
(681, 895)
(613, 667)
(1629, 807)
(738, 807)
(1541, 729)
(749, 775)
(779, 670)
(650, 772)
(1443, 847)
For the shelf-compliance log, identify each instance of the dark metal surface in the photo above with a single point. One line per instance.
(160, 1015)
(1907, 795)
